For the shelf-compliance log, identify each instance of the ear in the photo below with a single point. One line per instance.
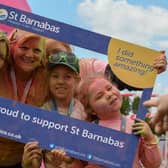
(12, 36)
(78, 78)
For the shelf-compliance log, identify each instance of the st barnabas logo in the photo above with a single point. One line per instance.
(3, 14)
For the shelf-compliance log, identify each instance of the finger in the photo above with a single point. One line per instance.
(138, 120)
(32, 152)
(151, 103)
(59, 154)
(165, 123)
(30, 145)
(58, 151)
(35, 156)
(140, 132)
(28, 160)
(158, 116)
(162, 51)
(138, 124)
(134, 129)
(160, 66)
(36, 163)
(163, 54)
(162, 57)
(159, 127)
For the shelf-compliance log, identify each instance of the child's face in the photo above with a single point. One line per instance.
(28, 55)
(62, 82)
(104, 99)
(3, 52)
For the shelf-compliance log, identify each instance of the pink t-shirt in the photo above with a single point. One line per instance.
(148, 155)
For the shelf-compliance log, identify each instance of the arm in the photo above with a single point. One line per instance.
(160, 120)
(149, 152)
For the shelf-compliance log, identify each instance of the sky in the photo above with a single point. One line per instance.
(143, 22)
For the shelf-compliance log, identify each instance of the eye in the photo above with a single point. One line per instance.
(68, 76)
(55, 76)
(24, 48)
(99, 95)
(109, 88)
(37, 51)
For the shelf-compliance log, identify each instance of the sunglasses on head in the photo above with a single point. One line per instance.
(65, 57)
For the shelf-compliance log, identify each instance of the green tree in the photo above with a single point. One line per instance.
(125, 108)
(135, 104)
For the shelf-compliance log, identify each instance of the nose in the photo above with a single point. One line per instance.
(60, 80)
(29, 53)
(108, 94)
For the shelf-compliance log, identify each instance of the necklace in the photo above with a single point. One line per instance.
(70, 108)
(15, 87)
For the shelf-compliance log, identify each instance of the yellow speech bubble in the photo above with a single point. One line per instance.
(132, 64)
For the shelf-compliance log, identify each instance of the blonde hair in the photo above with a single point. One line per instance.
(21, 36)
(3, 37)
(56, 42)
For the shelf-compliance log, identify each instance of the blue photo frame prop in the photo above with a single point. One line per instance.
(79, 139)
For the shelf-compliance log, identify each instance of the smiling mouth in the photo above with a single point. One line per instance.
(61, 89)
(27, 60)
(113, 101)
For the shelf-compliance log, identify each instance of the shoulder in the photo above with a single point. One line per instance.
(47, 105)
(78, 111)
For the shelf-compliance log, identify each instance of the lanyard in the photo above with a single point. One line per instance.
(70, 109)
(26, 89)
(123, 124)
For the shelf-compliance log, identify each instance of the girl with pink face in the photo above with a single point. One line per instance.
(102, 101)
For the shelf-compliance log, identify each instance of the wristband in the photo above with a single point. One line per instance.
(155, 141)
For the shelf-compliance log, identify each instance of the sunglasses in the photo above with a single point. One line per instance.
(64, 57)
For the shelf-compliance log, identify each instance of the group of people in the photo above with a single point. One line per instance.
(46, 73)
